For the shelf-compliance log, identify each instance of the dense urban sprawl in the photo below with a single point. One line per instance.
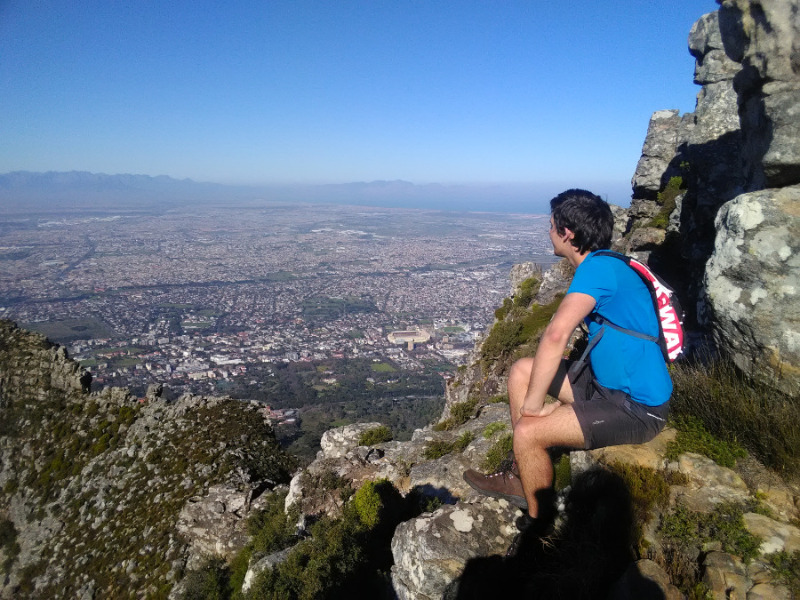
(189, 298)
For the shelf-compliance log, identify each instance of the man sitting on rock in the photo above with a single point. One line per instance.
(619, 395)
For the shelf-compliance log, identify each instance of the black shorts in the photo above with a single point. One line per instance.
(609, 417)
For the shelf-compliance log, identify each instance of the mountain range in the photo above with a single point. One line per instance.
(82, 190)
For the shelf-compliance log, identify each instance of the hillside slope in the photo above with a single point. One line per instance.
(92, 485)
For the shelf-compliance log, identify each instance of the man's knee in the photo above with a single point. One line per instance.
(526, 432)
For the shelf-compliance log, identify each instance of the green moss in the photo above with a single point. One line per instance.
(667, 199)
(376, 435)
(493, 428)
(694, 437)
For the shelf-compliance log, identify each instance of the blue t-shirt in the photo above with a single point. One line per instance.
(621, 361)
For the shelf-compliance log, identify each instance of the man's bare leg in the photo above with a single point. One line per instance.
(556, 425)
(532, 437)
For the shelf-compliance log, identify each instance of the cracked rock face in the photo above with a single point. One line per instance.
(430, 551)
(753, 285)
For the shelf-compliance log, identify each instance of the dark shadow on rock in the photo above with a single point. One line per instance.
(428, 492)
(583, 559)
(712, 174)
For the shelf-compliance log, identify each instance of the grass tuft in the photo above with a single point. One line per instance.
(498, 453)
(740, 411)
(440, 448)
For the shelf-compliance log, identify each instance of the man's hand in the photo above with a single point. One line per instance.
(572, 310)
(542, 412)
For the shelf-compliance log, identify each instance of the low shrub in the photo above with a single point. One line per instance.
(518, 330)
(786, 568)
(8, 544)
(460, 413)
(725, 524)
(648, 489)
(344, 557)
(271, 529)
(440, 448)
(209, 582)
(376, 435)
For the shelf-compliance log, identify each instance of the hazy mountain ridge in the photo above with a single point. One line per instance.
(86, 190)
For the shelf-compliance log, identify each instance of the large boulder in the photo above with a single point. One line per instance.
(430, 552)
(753, 285)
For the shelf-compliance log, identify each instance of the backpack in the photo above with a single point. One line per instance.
(665, 303)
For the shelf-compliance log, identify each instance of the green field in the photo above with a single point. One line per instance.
(68, 330)
(453, 329)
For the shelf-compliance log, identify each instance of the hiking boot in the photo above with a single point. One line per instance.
(503, 484)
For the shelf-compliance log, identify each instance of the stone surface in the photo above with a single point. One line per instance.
(658, 152)
(709, 484)
(777, 536)
(705, 44)
(768, 591)
(216, 524)
(335, 443)
(430, 551)
(266, 562)
(753, 285)
(726, 576)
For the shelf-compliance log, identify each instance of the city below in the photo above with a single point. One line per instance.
(222, 300)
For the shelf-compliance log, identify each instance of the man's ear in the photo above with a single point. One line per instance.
(568, 235)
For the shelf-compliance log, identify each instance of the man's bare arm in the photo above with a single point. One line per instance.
(574, 307)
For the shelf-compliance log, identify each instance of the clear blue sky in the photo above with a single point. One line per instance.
(330, 91)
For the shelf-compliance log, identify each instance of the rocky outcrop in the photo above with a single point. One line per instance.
(102, 495)
(440, 552)
(753, 285)
(734, 228)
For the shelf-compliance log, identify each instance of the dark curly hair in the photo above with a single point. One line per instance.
(587, 216)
